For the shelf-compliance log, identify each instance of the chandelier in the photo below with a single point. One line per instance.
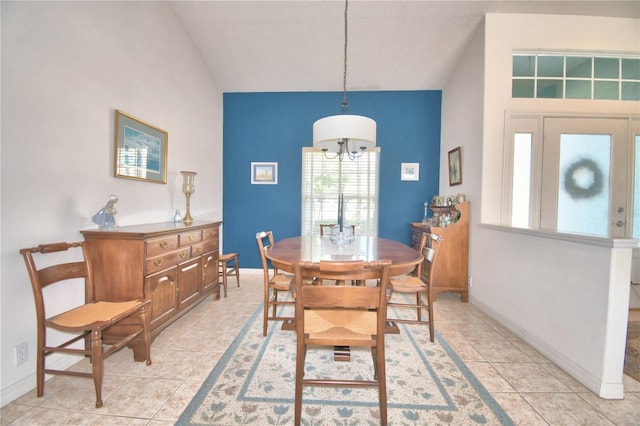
(344, 134)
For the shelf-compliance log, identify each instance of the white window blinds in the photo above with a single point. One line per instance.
(322, 182)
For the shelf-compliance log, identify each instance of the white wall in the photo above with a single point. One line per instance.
(66, 67)
(506, 33)
(462, 103)
(567, 299)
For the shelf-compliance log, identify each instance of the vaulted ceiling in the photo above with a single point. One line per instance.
(274, 46)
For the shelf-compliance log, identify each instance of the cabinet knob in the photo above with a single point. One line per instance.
(183, 254)
(190, 237)
(199, 249)
(163, 244)
(157, 262)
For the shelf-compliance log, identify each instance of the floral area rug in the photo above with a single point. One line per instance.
(254, 383)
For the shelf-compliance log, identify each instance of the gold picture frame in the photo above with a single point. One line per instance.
(455, 167)
(140, 150)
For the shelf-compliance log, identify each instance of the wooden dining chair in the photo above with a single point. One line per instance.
(96, 322)
(329, 315)
(418, 283)
(274, 284)
(325, 228)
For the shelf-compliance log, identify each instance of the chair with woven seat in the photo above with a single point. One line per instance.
(338, 316)
(418, 283)
(98, 323)
(228, 267)
(273, 285)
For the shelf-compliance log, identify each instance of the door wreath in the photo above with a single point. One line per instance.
(583, 179)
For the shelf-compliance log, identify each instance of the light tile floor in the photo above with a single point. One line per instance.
(531, 389)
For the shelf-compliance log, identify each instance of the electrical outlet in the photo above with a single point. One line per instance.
(22, 353)
(470, 282)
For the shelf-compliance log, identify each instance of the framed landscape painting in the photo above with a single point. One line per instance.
(140, 150)
(264, 173)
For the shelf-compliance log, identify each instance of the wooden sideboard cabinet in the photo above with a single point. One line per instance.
(451, 271)
(173, 265)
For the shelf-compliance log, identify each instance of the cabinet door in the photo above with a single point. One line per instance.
(210, 272)
(161, 289)
(189, 282)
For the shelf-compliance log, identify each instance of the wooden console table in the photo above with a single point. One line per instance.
(173, 265)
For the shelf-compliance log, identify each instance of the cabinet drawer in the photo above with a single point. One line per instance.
(203, 247)
(187, 238)
(210, 233)
(165, 261)
(156, 246)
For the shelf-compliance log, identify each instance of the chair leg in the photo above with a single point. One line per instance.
(224, 277)
(96, 365)
(274, 303)
(300, 360)
(382, 384)
(374, 355)
(265, 316)
(144, 317)
(237, 270)
(40, 364)
(430, 311)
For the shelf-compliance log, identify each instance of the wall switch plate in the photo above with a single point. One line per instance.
(22, 353)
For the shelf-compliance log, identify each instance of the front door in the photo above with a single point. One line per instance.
(586, 184)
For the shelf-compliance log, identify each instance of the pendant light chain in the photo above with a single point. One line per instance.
(344, 76)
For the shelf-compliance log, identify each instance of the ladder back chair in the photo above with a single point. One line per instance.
(125, 321)
(329, 315)
(418, 283)
(273, 285)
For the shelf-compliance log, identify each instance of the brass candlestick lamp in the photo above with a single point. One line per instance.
(188, 187)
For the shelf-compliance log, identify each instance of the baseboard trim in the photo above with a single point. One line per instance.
(28, 383)
(594, 384)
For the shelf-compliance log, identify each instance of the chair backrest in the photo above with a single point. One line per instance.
(424, 239)
(265, 240)
(53, 274)
(430, 253)
(325, 228)
(348, 297)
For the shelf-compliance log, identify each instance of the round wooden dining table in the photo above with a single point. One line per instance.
(285, 253)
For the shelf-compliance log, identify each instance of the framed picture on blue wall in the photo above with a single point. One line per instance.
(410, 171)
(264, 173)
(141, 150)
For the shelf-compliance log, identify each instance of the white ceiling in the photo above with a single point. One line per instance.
(277, 46)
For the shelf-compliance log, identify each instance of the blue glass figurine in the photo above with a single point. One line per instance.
(105, 218)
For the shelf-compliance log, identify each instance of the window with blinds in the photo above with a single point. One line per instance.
(323, 180)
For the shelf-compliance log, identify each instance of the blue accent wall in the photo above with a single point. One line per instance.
(274, 127)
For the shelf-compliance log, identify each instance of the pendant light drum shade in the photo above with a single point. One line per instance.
(357, 130)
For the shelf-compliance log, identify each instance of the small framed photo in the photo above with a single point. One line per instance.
(410, 171)
(264, 173)
(140, 150)
(455, 167)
